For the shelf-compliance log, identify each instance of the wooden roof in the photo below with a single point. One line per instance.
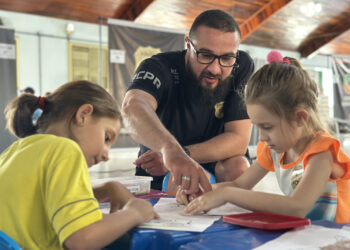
(276, 24)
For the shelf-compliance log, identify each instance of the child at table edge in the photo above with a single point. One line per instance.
(311, 169)
(46, 198)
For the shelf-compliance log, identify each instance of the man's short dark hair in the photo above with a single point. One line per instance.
(216, 19)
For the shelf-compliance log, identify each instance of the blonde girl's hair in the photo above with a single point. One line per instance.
(282, 88)
(59, 105)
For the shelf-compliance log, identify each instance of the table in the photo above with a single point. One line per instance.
(220, 235)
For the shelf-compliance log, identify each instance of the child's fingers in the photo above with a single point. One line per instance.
(184, 198)
(194, 207)
(181, 196)
(156, 215)
(189, 208)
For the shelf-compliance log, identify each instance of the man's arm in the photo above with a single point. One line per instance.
(144, 126)
(233, 142)
(142, 122)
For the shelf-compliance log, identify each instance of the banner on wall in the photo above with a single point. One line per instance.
(8, 81)
(129, 44)
(341, 76)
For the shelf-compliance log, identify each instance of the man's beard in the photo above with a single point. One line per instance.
(208, 96)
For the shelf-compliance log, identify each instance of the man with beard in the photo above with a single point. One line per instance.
(184, 107)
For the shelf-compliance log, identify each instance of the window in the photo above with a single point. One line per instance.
(83, 63)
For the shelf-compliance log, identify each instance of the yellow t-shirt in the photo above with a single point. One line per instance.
(45, 192)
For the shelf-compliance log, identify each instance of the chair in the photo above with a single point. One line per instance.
(7, 243)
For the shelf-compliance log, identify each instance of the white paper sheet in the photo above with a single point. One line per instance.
(172, 216)
(310, 238)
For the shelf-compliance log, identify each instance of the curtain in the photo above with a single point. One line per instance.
(341, 76)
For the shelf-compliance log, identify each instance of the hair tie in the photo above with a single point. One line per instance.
(41, 103)
(275, 56)
(39, 111)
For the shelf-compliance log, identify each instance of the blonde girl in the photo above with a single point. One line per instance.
(46, 199)
(311, 169)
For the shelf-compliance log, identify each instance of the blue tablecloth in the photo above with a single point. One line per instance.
(220, 235)
(242, 239)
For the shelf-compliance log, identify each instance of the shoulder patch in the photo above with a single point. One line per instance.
(148, 75)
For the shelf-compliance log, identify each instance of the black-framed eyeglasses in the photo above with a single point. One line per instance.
(208, 58)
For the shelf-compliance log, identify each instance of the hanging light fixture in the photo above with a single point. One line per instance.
(70, 29)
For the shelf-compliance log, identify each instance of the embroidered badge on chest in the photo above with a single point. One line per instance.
(297, 174)
(219, 110)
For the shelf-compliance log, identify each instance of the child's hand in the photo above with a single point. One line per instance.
(183, 198)
(115, 192)
(205, 202)
(119, 195)
(142, 208)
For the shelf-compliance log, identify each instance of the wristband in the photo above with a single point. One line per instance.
(187, 151)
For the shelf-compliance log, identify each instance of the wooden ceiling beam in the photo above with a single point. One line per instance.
(136, 9)
(261, 16)
(325, 34)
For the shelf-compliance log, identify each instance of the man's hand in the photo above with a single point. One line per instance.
(152, 163)
(186, 172)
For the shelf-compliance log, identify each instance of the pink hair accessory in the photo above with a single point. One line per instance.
(275, 56)
(286, 60)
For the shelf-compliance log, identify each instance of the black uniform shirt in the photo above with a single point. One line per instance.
(179, 106)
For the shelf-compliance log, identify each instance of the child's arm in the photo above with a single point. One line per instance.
(112, 226)
(115, 192)
(247, 180)
(298, 204)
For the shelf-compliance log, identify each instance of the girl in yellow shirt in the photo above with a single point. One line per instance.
(46, 199)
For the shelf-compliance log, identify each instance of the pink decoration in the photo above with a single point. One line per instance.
(274, 56)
